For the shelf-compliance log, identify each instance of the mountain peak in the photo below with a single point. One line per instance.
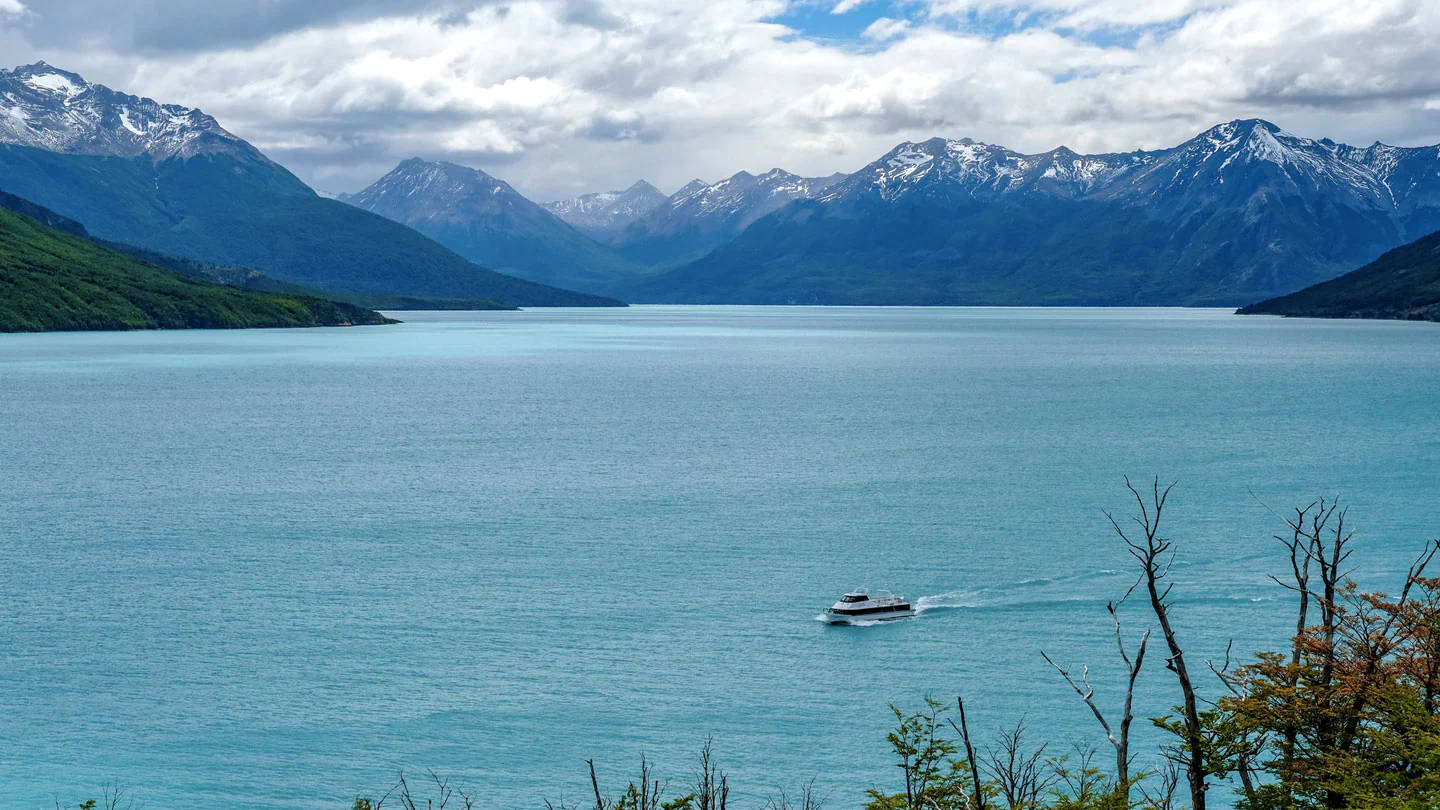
(48, 79)
(417, 164)
(434, 179)
(690, 188)
(1242, 128)
(45, 107)
(604, 213)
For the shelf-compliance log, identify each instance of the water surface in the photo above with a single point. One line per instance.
(266, 569)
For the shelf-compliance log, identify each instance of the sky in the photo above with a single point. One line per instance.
(561, 97)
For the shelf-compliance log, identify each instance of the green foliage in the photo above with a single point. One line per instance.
(1404, 283)
(1080, 785)
(238, 210)
(1351, 718)
(926, 757)
(51, 280)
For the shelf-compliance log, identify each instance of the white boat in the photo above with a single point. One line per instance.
(861, 606)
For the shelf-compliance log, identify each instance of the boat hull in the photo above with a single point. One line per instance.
(832, 617)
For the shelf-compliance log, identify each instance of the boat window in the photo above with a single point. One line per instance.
(850, 597)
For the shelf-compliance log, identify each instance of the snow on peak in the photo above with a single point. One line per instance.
(1244, 151)
(53, 82)
(49, 108)
(608, 211)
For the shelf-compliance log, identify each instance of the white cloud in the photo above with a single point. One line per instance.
(12, 7)
(847, 6)
(885, 28)
(1082, 15)
(559, 102)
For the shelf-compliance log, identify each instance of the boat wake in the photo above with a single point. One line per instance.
(1037, 593)
(1034, 592)
(952, 600)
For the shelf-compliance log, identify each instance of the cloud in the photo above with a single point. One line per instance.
(885, 28)
(1081, 15)
(847, 6)
(12, 7)
(564, 96)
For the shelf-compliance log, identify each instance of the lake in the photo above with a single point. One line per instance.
(271, 568)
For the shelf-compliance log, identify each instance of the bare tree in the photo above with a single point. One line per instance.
(1020, 775)
(112, 797)
(1120, 740)
(442, 792)
(115, 797)
(1155, 555)
(1162, 797)
(647, 792)
(712, 787)
(977, 798)
(808, 799)
(1304, 546)
(600, 803)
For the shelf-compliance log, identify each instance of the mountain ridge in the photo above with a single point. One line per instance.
(702, 216)
(54, 109)
(602, 214)
(484, 219)
(1240, 211)
(168, 178)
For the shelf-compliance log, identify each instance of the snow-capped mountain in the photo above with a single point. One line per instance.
(702, 216)
(605, 213)
(169, 178)
(487, 221)
(963, 168)
(1228, 160)
(1241, 211)
(53, 109)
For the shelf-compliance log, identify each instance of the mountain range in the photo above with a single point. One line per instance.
(1240, 212)
(702, 216)
(171, 179)
(608, 242)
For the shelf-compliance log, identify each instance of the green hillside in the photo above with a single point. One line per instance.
(51, 280)
(244, 211)
(1403, 284)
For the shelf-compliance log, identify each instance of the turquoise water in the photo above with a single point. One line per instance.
(269, 569)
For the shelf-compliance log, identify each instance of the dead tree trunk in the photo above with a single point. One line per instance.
(1154, 553)
(978, 800)
(1121, 740)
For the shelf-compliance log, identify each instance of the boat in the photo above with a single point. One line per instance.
(861, 606)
